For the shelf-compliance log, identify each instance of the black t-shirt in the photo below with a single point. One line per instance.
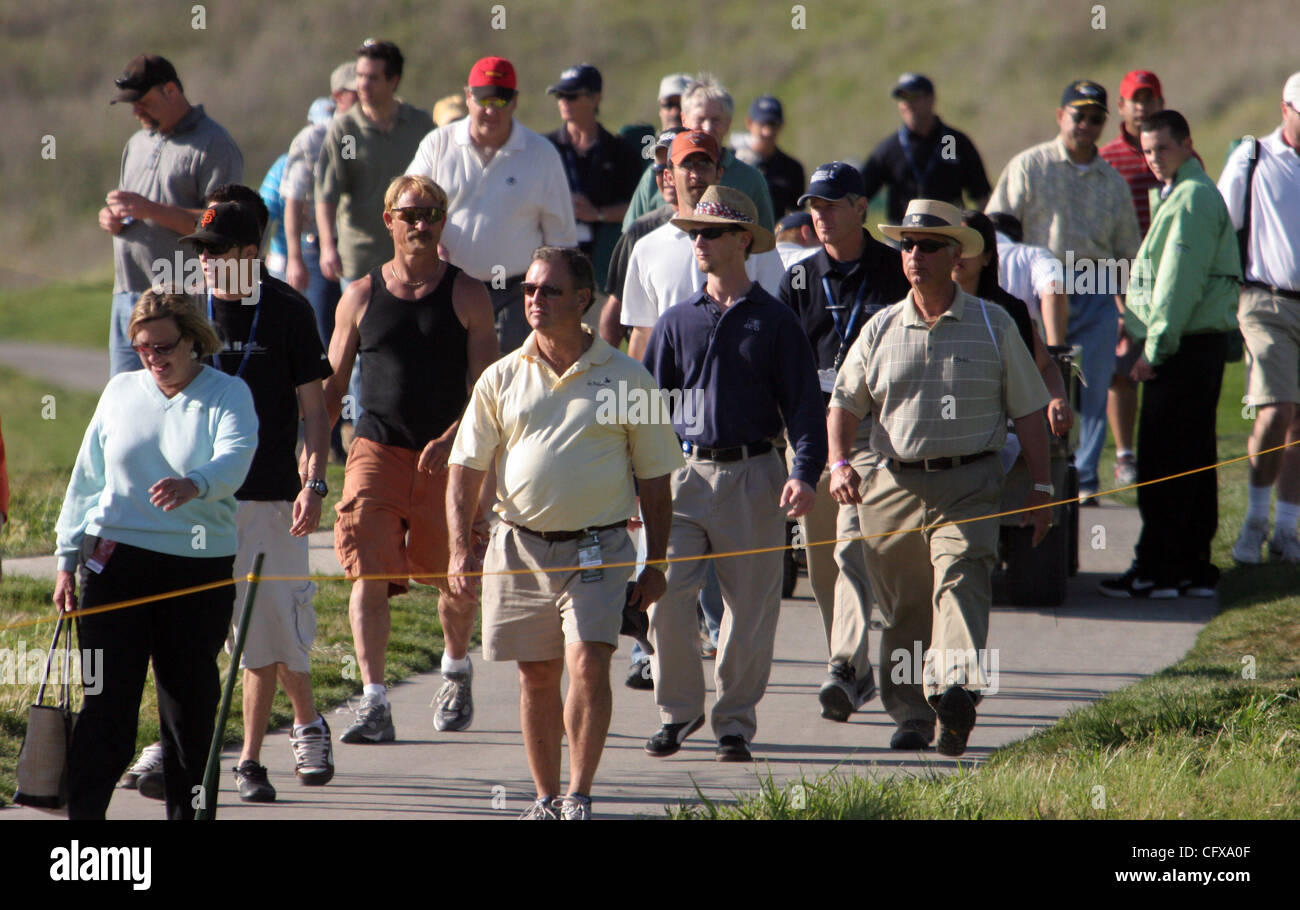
(607, 174)
(285, 353)
(618, 260)
(941, 176)
(1019, 312)
(785, 181)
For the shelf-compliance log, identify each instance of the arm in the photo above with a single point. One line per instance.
(1058, 409)
(800, 396)
(1180, 279)
(841, 428)
(463, 485)
(124, 204)
(611, 329)
(316, 433)
(330, 186)
(638, 342)
(1032, 433)
(295, 270)
(555, 219)
(343, 345)
(232, 448)
(657, 510)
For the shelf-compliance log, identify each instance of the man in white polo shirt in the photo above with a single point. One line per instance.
(662, 269)
(506, 191)
(1265, 175)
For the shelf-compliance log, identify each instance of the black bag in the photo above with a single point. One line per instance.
(43, 760)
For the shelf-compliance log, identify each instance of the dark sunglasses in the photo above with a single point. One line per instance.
(213, 249)
(549, 291)
(159, 350)
(925, 246)
(1090, 119)
(669, 104)
(569, 96)
(712, 233)
(413, 214)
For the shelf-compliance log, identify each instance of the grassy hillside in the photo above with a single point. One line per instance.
(999, 67)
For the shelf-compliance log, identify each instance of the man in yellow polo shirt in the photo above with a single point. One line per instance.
(569, 423)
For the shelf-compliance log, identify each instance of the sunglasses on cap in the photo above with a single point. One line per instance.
(713, 233)
(1090, 119)
(909, 245)
(413, 214)
(549, 291)
(159, 350)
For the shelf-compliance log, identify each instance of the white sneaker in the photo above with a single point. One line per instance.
(1283, 547)
(1250, 542)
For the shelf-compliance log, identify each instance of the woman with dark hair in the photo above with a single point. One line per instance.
(978, 275)
(150, 509)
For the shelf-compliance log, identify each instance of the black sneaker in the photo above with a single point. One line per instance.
(671, 736)
(843, 693)
(253, 785)
(1131, 585)
(638, 675)
(956, 710)
(913, 735)
(732, 748)
(1202, 582)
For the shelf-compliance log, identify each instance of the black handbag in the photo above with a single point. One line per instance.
(43, 760)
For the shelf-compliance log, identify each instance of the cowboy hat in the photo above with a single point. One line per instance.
(929, 216)
(724, 205)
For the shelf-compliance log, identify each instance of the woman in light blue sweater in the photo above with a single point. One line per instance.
(150, 508)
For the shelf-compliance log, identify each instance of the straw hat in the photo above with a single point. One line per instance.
(929, 216)
(725, 205)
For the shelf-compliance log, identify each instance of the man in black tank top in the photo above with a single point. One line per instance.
(424, 332)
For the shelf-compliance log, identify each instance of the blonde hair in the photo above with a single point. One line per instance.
(449, 109)
(184, 309)
(414, 182)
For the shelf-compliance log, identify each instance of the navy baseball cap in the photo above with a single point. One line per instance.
(766, 109)
(912, 84)
(834, 181)
(1084, 93)
(581, 78)
(794, 220)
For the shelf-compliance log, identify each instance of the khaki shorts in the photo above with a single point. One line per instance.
(1270, 325)
(283, 624)
(392, 519)
(533, 615)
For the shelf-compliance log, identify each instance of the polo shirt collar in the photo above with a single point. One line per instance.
(958, 308)
(365, 123)
(460, 134)
(598, 352)
(188, 122)
(1063, 155)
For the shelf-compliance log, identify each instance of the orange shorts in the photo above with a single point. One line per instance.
(392, 519)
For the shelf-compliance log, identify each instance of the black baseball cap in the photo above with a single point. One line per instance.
(581, 78)
(1084, 93)
(142, 74)
(912, 84)
(794, 220)
(227, 224)
(834, 181)
(766, 109)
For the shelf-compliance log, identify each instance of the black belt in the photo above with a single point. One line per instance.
(936, 464)
(561, 536)
(734, 453)
(1280, 292)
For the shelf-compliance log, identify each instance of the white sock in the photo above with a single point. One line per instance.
(298, 728)
(453, 665)
(1123, 453)
(375, 689)
(1257, 502)
(1287, 515)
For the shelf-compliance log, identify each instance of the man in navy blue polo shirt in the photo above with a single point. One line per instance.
(735, 360)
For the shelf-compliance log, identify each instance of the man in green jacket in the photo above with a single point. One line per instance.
(1182, 299)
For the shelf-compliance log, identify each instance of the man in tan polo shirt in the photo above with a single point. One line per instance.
(939, 373)
(558, 418)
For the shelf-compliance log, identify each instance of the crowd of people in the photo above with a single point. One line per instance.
(470, 286)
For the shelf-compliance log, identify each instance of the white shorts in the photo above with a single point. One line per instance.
(283, 624)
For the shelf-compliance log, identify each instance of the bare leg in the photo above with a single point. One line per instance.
(1288, 479)
(541, 713)
(1121, 410)
(297, 685)
(259, 690)
(587, 710)
(371, 626)
(1270, 430)
(457, 616)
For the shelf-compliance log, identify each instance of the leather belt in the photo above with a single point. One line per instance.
(734, 453)
(1280, 292)
(562, 536)
(936, 464)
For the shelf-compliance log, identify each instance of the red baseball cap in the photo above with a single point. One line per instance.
(1140, 79)
(493, 71)
(690, 142)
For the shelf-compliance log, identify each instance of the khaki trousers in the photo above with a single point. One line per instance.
(933, 587)
(721, 507)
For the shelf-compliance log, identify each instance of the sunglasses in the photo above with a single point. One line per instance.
(413, 214)
(1090, 119)
(549, 291)
(712, 233)
(159, 350)
(925, 246)
(213, 249)
(569, 96)
(670, 104)
(495, 102)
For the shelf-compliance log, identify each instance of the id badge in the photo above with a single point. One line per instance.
(98, 560)
(826, 378)
(589, 556)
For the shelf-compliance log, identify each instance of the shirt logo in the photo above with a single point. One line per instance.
(753, 325)
(510, 181)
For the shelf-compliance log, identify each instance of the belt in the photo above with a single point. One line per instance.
(734, 453)
(1280, 292)
(936, 464)
(561, 536)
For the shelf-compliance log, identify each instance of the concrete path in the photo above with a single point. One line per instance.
(80, 369)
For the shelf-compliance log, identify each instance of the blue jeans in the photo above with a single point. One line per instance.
(710, 606)
(122, 358)
(321, 293)
(1093, 327)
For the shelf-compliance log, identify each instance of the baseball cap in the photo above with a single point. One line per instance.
(834, 181)
(493, 76)
(794, 220)
(344, 77)
(1084, 93)
(226, 224)
(912, 84)
(1137, 80)
(689, 142)
(673, 84)
(665, 142)
(766, 109)
(1291, 91)
(321, 110)
(142, 74)
(581, 78)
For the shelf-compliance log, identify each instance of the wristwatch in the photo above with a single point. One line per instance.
(1045, 488)
(318, 487)
(661, 567)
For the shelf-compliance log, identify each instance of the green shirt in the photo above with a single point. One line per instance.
(1188, 270)
(735, 173)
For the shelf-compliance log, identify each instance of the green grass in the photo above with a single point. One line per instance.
(72, 312)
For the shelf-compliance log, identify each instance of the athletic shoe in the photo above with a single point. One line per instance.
(543, 809)
(670, 737)
(253, 785)
(1246, 551)
(574, 808)
(1089, 498)
(454, 701)
(956, 710)
(913, 735)
(313, 754)
(1130, 585)
(1283, 547)
(732, 748)
(150, 762)
(374, 723)
(1126, 471)
(843, 693)
(638, 675)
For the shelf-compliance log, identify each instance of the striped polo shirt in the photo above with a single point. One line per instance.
(939, 391)
(1124, 154)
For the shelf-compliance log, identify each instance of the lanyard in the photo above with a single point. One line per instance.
(835, 309)
(248, 345)
(917, 174)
